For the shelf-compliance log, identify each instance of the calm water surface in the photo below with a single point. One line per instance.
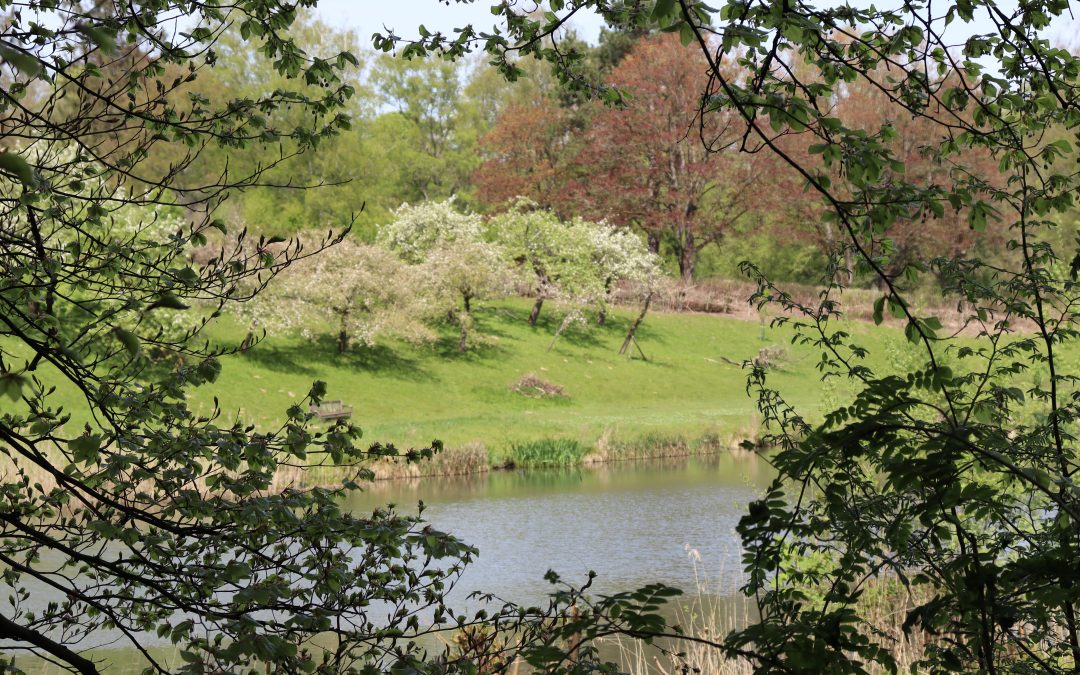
(633, 523)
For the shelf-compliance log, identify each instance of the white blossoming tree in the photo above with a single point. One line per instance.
(554, 255)
(416, 229)
(455, 263)
(619, 255)
(576, 264)
(362, 292)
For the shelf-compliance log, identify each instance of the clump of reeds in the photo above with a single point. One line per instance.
(712, 613)
(547, 452)
(645, 446)
(453, 461)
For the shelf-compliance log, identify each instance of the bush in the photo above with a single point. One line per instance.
(531, 386)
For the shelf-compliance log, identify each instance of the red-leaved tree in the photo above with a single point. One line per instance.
(644, 165)
(528, 153)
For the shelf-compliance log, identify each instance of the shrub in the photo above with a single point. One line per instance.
(531, 386)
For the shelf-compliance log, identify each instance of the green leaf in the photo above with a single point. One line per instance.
(104, 40)
(663, 9)
(168, 301)
(26, 64)
(896, 307)
(686, 34)
(209, 369)
(129, 340)
(236, 571)
(17, 166)
(85, 449)
(11, 385)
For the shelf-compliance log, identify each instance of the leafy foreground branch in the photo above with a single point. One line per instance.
(959, 477)
(149, 522)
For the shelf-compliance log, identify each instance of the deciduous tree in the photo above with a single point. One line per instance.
(644, 165)
(459, 265)
(362, 292)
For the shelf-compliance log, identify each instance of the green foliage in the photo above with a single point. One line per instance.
(547, 452)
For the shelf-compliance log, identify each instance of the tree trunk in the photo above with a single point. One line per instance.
(849, 266)
(463, 341)
(343, 332)
(653, 241)
(535, 313)
(687, 259)
(630, 335)
(468, 303)
(562, 326)
(601, 316)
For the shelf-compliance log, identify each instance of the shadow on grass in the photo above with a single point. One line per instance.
(584, 336)
(301, 358)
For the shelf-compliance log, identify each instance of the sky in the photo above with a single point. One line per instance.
(368, 16)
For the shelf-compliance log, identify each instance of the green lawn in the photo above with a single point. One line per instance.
(412, 394)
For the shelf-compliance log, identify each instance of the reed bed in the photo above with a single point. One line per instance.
(712, 612)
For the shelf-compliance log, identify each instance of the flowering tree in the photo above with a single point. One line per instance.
(554, 254)
(461, 272)
(457, 265)
(416, 229)
(365, 292)
(619, 255)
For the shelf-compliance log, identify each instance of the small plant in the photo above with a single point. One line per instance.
(547, 452)
(649, 445)
(773, 357)
(531, 386)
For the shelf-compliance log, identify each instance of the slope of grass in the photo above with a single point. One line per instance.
(412, 394)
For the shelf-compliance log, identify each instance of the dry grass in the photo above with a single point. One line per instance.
(730, 297)
(714, 613)
(470, 458)
(531, 386)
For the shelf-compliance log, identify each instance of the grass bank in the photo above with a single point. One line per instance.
(520, 403)
(411, 394)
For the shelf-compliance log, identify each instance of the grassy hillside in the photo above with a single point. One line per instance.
(411, 394)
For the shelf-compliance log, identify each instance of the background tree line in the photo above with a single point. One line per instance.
(430, 129)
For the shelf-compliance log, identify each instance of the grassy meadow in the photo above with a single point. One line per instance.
(687, 396)
(411, 394)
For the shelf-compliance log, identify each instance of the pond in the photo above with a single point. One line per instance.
(631, 522)
(670, 521)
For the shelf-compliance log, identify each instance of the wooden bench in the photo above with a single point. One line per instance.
(331, 410)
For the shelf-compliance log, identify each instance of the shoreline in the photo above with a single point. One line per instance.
(474, 459)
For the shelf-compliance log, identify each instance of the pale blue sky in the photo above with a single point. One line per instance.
(368, 16)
